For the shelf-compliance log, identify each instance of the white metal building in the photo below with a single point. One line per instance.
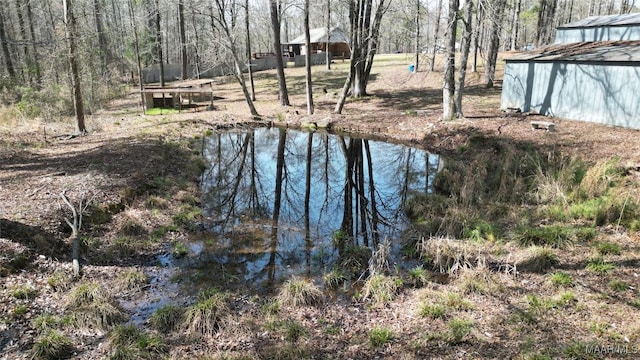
(596, 81)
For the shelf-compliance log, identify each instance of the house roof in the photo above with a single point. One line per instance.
(601, 51)
(319, 35)
(607, 20)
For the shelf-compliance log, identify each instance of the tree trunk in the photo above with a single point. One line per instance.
(435, 35)
(476, 35)
(136, 45)
(516, 25)
(36, 60)
(464, 56)
(70, 21)
(494, 43)
(448, 89)
(183, 40)
(231, 45)
(307, 42)
(328, 55)
(158, 42)
(102, 39)
(249, 69)
(417, 38)
(282, 82)
(6, 54)
(364, 43)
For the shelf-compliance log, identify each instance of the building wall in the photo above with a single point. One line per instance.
(603, 33)
(316, 59)
(595, 92)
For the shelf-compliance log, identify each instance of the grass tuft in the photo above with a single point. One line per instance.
(560, 278)
(418, 276)
(52, 344)
(381, 289)
(299, 292)
(133, 279)
(538, 259)
(599, 265)
(205, 316)
(380, 336)
(334, 279)
(129, 342)
(167, 318)
(459, 329)
(433, 311)
(92, 306)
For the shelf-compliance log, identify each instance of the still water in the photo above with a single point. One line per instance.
(282, 202)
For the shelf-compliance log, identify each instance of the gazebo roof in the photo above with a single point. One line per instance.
(319, 35)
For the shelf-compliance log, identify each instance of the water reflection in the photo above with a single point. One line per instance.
(283, 201)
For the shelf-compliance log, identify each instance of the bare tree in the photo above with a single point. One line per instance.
(102, 39)
(307, 58)
(464, 56)
(249, 69)
(494, 41)
(417, 37)
(275, 25)
(231, 45)
(516, 24)
(6, 54)
(448, 89)
(136, 45)
(328, 27)
(183, 40)
(365, 22)
(70, 21)
(435, 35)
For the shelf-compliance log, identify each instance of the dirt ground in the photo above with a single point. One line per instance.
(115, 163)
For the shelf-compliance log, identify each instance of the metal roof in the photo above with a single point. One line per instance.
(607, 20)
(601, 51)
(319, 35)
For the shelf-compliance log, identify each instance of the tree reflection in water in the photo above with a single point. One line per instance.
(275, 198)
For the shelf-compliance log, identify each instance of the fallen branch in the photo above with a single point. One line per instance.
(75, 226)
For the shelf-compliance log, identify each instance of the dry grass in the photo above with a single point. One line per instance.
(299, 292)
(205, 317)
(446, 254)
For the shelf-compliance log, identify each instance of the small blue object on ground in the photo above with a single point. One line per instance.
(412, 68)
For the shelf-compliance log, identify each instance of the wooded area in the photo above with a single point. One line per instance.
(110, 42)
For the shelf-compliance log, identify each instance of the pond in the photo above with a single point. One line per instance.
(279, 202)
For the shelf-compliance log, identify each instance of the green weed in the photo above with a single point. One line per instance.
(560, 278)
(418, 276)
(608, 248)
(432, 311)
(599, 265)
(554, 236)
(24, 291)
(380, 336)
(294, 331)
(618, 285)
(459, 329)
(20, 310)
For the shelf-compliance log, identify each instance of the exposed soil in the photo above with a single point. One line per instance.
(130, 162)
